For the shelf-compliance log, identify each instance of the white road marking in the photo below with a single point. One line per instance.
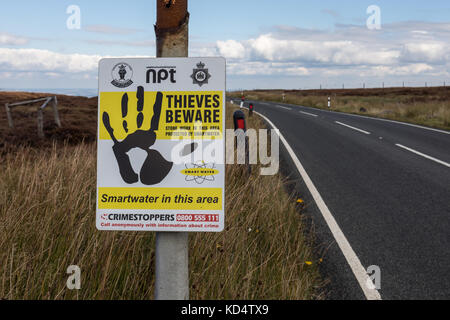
(284, 107)
(424, 155)
(385, 120)
(346, 125)
(349, 254)
(309, 114)
(393, 121)
(380, 119)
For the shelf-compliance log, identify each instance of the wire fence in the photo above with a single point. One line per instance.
(380, 85)
(368, 85)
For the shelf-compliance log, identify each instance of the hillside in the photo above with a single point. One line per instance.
(78, 118)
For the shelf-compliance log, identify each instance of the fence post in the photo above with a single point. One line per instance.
(171, 267)
(55, 112)
(9, 116)
(40, 123)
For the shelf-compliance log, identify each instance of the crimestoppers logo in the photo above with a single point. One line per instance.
(122, 73)
(200, 75)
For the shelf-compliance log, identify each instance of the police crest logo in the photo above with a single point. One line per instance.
(122, 74)
(200, 75)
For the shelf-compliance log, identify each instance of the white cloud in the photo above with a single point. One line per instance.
(53, 74)
(202, 49)
(433, 52)
(401, 49)
(6, 75)
(411, 69)
(107, 29)
(349, 53)
(45, 60)
(231, 49)
(262, 68)
(120, 43)
(11, 40)
(267, 47)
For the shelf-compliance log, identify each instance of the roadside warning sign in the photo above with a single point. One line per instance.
(161, 144)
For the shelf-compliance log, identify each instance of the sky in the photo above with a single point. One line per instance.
(290, 44)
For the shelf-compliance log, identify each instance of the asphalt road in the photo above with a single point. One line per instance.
(388, 187)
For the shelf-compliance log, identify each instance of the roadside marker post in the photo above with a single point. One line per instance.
(329, 102)
(240, 129)
(239, 121)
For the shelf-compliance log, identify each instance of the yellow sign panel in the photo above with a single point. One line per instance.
(161, 145)
(183, 114)
(160, 198)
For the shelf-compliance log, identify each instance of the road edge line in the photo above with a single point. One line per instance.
(423, 155)
(347, 250)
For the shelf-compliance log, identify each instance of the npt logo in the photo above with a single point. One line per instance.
(161, 74)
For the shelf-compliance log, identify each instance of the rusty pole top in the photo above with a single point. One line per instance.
(170, 13)
(172, 28)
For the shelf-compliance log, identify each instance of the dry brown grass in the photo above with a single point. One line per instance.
(47, 222)
(78, 117)
(424, 106)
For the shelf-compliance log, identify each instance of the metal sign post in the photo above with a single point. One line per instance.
(161, 150)
(172, 257)
(161, 147)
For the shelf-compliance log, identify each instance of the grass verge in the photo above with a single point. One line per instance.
(47, 223)
(423, 106)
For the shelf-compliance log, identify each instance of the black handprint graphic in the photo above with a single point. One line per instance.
(155, 167)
